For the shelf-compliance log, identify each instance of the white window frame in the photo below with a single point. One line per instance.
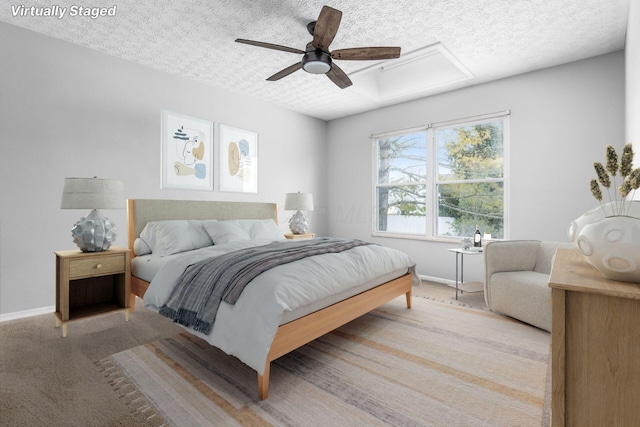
(432, 175)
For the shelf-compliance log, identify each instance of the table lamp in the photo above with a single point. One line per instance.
(298, 223)
(95, 232)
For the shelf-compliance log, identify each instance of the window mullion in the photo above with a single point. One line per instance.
(432, 164)
(468, 181)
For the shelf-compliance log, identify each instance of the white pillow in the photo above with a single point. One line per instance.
(263, 229)
(140, 247)
(242, 229)
(170, 237)
(222, 232)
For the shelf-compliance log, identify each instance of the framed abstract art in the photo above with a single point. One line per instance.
(238, 161)
(187, 152)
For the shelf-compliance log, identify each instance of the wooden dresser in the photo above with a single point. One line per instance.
(595, 346)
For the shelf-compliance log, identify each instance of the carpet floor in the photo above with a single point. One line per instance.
(436, 364)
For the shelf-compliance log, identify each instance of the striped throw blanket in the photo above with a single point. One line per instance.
(203, 286)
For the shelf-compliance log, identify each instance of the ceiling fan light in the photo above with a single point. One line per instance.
(316, 67)
(316, 62)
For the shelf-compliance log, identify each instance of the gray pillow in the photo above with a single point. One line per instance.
(235, 230)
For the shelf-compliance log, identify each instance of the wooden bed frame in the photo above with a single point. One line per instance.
(289, 336)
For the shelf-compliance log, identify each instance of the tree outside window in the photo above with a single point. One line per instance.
(401, 186)
(470, 181)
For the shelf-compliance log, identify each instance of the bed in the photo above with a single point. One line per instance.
(294, 328)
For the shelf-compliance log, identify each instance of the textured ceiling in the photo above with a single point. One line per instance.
(491, 38)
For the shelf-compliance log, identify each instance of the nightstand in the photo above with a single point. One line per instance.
(292, 236)
(91, 283)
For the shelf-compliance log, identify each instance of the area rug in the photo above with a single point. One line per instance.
(435, 365)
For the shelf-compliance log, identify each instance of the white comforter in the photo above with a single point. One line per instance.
(246, 329)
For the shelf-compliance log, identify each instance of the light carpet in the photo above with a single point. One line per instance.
(436, 364)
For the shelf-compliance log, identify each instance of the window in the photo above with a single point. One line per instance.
(442, 180)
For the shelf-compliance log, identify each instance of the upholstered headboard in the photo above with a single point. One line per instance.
(141, 211)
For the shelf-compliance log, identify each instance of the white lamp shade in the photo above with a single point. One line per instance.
(298, 202)
(92, 193)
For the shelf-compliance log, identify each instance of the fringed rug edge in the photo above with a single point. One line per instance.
(128, 393)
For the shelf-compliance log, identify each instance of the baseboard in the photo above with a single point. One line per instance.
(27, 313)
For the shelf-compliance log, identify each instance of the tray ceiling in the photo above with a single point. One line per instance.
(474, 41)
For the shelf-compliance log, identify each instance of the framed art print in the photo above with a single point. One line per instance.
(187, 152)
(238, 160)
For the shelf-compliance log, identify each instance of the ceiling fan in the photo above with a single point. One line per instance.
(317, 59)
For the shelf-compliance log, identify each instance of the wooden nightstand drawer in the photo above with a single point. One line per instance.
(96, 266)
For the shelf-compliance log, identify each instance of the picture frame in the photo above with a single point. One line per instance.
(187, 152)
(238, 160)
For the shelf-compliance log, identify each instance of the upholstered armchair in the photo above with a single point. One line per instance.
(517, 279)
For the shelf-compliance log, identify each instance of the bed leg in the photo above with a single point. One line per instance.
(263, 382)
(132, 301)
(408, 294)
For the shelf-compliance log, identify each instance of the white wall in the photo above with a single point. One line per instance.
(561, 120)
(69, 111)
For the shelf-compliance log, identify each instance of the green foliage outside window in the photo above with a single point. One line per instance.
(471, 158)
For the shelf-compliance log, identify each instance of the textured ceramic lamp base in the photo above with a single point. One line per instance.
(298, 223)
(93, 233)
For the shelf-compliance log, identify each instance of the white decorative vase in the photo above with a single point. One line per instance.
(595, 214)
(610, 244)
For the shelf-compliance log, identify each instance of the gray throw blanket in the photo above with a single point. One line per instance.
(203, 286)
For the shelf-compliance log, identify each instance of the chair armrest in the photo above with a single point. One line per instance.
(546, 254)
(508, 255)
(511, 255)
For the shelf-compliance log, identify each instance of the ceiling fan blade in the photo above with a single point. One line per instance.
(339, 77)
(270, 46)
(284, 73)
(326, 27)
(366, 53)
